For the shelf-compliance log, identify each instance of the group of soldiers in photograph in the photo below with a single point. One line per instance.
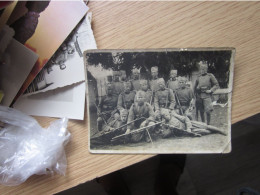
(142, 109)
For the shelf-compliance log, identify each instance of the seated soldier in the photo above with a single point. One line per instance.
(164, 97)
(185, 98)
(136, 79)
(173, 121)
(143, 111)
(106, 107)
(117, 123)
(110, 130)
(148, 92)
(127, 97)
(173, 83)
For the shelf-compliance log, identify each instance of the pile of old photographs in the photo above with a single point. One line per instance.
(159, 100)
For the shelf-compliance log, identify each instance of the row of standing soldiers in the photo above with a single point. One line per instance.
(154, 100)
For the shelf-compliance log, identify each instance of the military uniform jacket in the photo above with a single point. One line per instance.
(136, 84)
(173, 85)
(174, 122)
(154, 85)
(164, 99)
(148, 96)
(108, 103)
(125, 100)
(118, 87)
(205, 82)
(137, 111)
(185, 96)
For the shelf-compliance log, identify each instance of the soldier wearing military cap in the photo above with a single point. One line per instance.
(136, 79)
(171, 121)
(143, 111)
(118, 85)
(115, 124)
(153, 82)
(127, 97)
(106, 107)
(173, 83)
(164, 97)
(204, 87)
(122, 75)
(148, 92)
(185, 97)
(109, 79)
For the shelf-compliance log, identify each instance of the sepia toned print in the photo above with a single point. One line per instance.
(160, 100)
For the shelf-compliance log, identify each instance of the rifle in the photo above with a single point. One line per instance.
(100, 113)
(191, 133)
(151, 98)
(135, 131)
(178, 101)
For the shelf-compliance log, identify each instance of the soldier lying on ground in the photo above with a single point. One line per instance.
(171, 121)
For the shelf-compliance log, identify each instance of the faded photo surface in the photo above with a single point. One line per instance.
(159, 101)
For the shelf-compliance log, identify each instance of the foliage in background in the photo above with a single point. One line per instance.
(184, 61)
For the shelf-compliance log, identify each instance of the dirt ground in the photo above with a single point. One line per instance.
(178, 144)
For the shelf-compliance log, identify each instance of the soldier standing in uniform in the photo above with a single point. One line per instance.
(153, 82)
(118, 85)
(204, 87)
(136, 79)
(185, 97)
(106, 107)
(164, 97)
(143, 111)
(127, 97)
(173, 83)
(122, 75)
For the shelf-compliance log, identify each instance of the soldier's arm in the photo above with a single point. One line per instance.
(120, 102)
(179, 117)
(172, 99)
(214, 83)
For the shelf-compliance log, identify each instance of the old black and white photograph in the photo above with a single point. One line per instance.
(159, 100)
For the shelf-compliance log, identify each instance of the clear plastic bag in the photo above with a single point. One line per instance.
(27, 149)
